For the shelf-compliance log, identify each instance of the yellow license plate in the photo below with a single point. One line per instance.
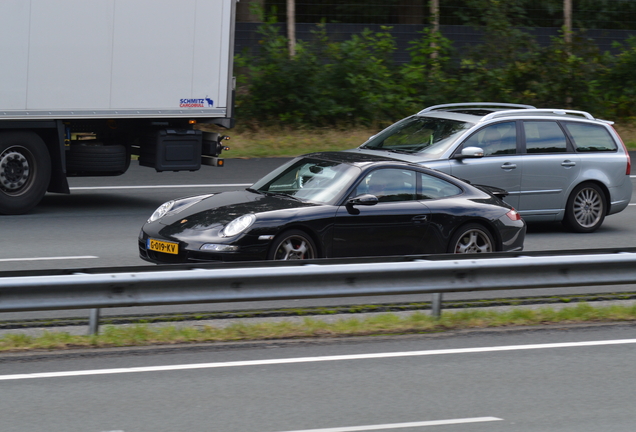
(161, 246)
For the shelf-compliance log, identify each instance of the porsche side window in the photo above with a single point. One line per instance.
(544, 137)
(494, 140)
(432, 187)
(389, 185)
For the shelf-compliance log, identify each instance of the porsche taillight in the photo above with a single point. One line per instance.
(513, 215)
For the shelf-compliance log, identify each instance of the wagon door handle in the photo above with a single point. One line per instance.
(508, 166)
(568, 163)
(420, 218)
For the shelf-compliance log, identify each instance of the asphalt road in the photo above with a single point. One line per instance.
(557, 380)
(564, 379)
(98, 223)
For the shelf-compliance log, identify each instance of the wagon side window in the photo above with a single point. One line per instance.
(495, 140)
(544, 137)
(590, 138)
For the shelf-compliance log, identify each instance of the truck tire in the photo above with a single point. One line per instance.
(25, 171)
(96, 159)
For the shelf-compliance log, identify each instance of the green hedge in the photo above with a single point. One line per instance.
(355, 82)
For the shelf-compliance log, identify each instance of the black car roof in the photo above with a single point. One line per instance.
(355, 158)
(364, 160)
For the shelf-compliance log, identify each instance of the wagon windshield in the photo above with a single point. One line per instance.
(309, 179)
(421, 135)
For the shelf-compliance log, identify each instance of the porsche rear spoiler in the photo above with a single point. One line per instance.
(498, 192)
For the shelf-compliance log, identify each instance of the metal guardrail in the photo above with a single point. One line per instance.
(265, 282)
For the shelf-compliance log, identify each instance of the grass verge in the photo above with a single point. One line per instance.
(381, 324)
(286, 142)
(627, 131)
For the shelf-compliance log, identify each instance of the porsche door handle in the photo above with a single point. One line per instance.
(420, 218)
(508, 166)
(568, 163)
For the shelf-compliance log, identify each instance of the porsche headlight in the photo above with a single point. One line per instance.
(176, 206)
(238, 225)
(161, 211)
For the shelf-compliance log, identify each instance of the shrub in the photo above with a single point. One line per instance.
(355, 82)
(617, 83)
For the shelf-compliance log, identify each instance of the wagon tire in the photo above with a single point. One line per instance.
(292, 245)
(25, 171)
(586, 208)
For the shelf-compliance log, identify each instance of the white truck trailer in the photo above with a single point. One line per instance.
(86, 84)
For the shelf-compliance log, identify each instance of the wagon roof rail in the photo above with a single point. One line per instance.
(534, 111)
(475, 105)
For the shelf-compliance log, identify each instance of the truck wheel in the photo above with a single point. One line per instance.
(25, 171)
(96, 159)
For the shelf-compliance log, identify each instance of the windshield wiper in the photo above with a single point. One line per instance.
(283, 195)
(249, 189)
(401, 151)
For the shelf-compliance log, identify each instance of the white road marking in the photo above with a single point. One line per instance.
(48, 258)
(161, 186)
(312, 359)
(403, 425)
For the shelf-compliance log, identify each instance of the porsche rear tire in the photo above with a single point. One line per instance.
(471, 238)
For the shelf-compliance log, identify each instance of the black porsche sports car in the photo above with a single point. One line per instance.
(334, 204)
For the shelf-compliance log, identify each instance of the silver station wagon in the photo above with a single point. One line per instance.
(556, 165)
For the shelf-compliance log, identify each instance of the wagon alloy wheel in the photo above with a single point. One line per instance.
(25, 171)
(588, 207)
(293, 245)
(472, 238)
(585, 210)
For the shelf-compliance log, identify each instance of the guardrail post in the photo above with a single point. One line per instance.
(436, 305)
(93, 322)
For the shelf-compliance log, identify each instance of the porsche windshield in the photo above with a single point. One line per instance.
(308, 179)
(422, 135)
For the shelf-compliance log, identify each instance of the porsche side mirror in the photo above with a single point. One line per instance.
(364, 199)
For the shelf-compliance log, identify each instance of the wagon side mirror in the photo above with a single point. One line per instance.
(470, 152)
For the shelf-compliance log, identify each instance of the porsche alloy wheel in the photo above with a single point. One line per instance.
(472, 238)
(293, 245)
